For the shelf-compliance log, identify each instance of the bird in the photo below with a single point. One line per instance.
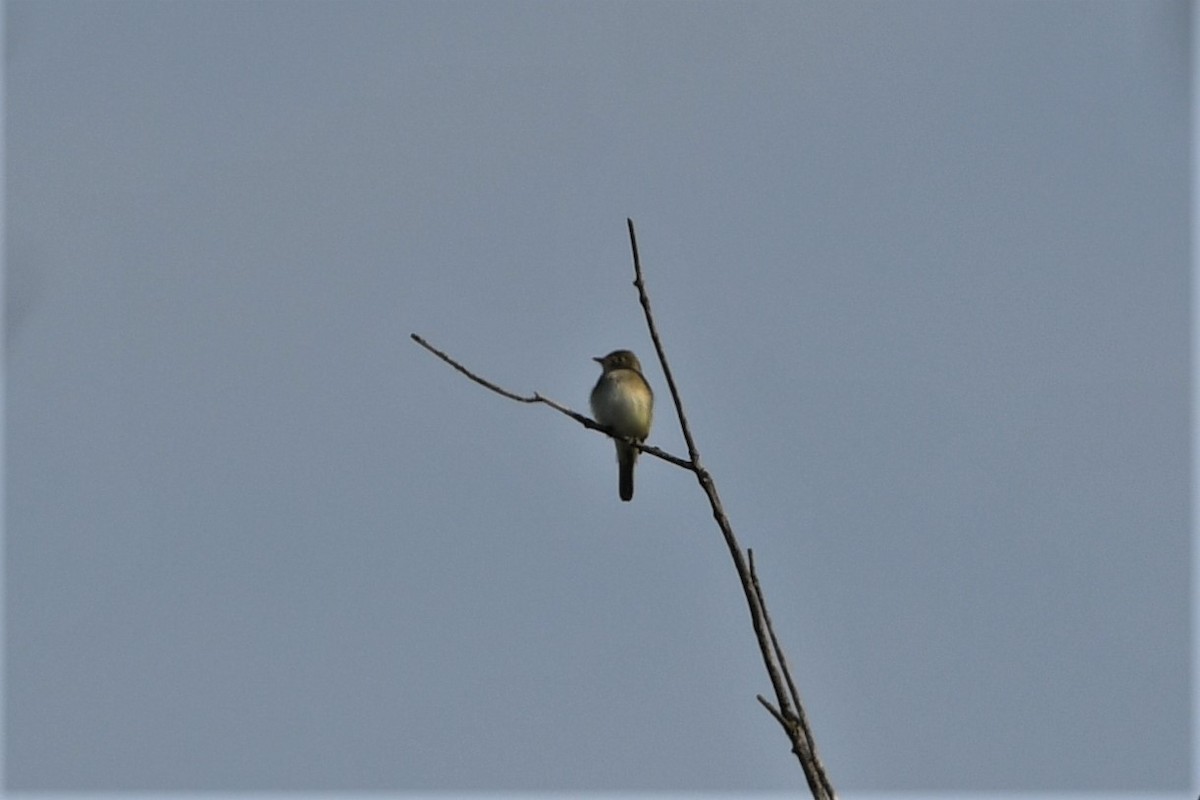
(623, 402)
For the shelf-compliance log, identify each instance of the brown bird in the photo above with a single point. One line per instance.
(623, 401)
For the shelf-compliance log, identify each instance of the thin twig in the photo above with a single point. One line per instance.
(644, 299)
(536, 397)
(481, 381)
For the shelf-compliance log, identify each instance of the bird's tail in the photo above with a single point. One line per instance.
(626, 456)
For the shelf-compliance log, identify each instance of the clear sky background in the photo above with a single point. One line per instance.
(923, 272)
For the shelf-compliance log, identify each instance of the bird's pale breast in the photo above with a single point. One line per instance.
(623, 403)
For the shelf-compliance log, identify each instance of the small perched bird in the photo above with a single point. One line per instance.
(623, 401)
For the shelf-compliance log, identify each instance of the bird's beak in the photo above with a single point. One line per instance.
(598, 359)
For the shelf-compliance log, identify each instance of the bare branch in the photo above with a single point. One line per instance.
(586, 422)
(790, 712)
(768, 645)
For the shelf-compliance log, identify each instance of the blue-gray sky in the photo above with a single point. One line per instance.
(923, 271)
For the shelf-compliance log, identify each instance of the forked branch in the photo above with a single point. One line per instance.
(787, 709)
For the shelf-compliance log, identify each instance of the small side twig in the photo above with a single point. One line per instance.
(783, 721)
(790, 715)
(780, 658)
